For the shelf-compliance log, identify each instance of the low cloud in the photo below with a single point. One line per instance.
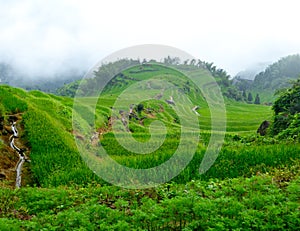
(44, 38)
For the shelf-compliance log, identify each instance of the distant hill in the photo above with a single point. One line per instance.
(276, 77)
(278, 74)
(6, 73)
(91, 85)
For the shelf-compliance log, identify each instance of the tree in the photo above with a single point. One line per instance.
(171, 61)
(287, 111)
(250, 97)
(244, 94)
(185, 62)
(257, 99)
(193, 61)
(140, 108)
(200, 64)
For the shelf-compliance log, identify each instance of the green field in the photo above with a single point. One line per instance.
(253, 184)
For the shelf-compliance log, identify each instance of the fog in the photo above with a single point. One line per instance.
(47, 38)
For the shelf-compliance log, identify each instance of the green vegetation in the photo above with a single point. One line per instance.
(250, 97)
(257, 99)
(90, 86)
(287, 112)
(68, 89)
(264, 202)
(10, 103)
(253, 184)
(277, 75)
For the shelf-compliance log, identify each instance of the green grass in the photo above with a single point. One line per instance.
(265, 95)
(10, 103)
(241, 118)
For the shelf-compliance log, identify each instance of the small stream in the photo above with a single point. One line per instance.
(22, 156)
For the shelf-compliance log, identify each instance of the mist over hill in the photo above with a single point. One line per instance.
(250, 72)
(258, 79)
(46, 82)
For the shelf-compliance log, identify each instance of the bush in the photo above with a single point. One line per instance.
(286, 108)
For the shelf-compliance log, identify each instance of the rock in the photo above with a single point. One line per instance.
(262, 130)
(12, 118)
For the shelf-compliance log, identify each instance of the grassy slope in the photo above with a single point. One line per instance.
(56, 161)
(255, 202)
(240, 117)
(47, 123)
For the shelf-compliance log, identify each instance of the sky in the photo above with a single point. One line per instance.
(47, 37)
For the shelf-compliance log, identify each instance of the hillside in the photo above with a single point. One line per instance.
(277, 75)
(95, 80)
(48, 131)
(254, 182)
(253, 179)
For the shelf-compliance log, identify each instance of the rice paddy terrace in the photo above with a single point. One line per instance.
(251, 177)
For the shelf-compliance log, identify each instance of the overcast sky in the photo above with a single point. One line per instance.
(49, 36)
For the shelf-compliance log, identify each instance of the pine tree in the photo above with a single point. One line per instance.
(257, 99)
(250, 98)
(244, 94)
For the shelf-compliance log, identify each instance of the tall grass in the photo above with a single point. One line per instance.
(55, 159)
(13, 100)
(233, 161)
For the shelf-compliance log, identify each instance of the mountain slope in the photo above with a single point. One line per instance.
(276, 77)
(48, 132)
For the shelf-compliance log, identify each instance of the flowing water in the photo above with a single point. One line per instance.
(22, 156)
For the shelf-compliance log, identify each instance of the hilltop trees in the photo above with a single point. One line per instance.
(90, 86)
(171, 61)
(276, 76)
